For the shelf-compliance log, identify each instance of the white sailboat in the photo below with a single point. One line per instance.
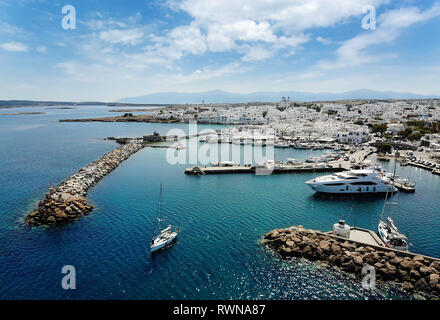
(167, 235)
(387, 230)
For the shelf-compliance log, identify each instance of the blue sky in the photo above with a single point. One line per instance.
(129, 48)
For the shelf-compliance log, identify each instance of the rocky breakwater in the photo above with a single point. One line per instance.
(413, 272)
(67, 202)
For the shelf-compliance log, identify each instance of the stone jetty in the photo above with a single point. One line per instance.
(67, 202)
(413, 272)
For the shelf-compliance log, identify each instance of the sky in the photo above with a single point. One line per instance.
(109, 50)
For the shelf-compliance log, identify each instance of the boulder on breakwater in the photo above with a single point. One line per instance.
(414, 272)
(67, 202)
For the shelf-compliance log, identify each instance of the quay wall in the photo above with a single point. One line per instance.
(253, 169)
(67, 202)
(413, 272)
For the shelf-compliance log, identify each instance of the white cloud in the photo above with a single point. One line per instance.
(135, 18)
(257, 31)
(257, 53)
(254, 30)
(405, 17)
(352, 51)
(10, 29)
(41, 49)
(189, 39)
(323, 40)
(310, 75)
(290, 15)
(210, 72)
(68, 68)
(125, 36)
(247, 30)
(102, 24)
(238, 25)
(14, 47)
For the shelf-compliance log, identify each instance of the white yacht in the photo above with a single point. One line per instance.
(212, 139)
(301, 146)
(281, 144)
(293, 161)
(354, 181)
(313, 159)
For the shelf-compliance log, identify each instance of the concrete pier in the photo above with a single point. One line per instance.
(332, 166)
(276, 170)
(413, 271)
(364, 236)
(418, 165)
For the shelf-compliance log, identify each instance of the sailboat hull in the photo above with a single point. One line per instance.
(162, 243)
(385, 233)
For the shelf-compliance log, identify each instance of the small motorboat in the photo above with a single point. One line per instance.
(180, 146)
(165, 237)
(293, 161)
(405, 182)
(282, 144)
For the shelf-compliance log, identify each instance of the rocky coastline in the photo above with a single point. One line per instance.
(415, 273)
(67, 202)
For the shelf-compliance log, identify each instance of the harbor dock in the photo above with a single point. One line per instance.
(332, 166)
(413, 271)
(418, 165)
(364, 236)
(197, 170)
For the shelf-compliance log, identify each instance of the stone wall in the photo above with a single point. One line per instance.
(413, 272)
(155, 137)
(67, 202)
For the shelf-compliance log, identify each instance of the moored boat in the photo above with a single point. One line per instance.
(351, 182)
(391, 236)
(387, 230)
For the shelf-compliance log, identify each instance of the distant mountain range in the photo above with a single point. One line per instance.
(219, 96)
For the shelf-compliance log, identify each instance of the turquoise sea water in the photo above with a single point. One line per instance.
(222, 219)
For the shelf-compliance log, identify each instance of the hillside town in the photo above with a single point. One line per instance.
(413, 123)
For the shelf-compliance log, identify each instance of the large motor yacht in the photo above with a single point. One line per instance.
(354, 181)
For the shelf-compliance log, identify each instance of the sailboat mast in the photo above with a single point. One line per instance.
(394, 178)
(159, 204)
(384, 205)
(395, 165)
(158, 210)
